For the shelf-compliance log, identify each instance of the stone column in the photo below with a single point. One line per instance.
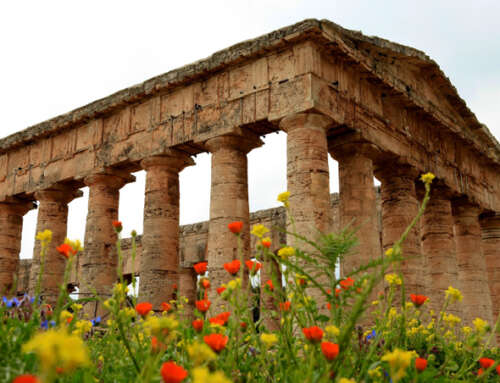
(160, 241)
(472, 274)
(308, 179)
(11, 222)
(438, 246)
(399, 207)
(358, 201)
(228, 203)
(52, 215)
(490, 230)
(98, 266)
(187, 289)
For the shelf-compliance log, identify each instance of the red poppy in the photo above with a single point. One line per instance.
(217, 342)
(235, 227)
(118, 226)
(174, 286)
(418, 300)
(329, 306)
(498, 369)
(200, 268)
(330, 350)
(314, 333)
(143, 308)
(172, 373)
(302, 282)
(216, 321)
(220, 319)
(198, 325)
(486, 363)
(480, 372)
(253, 266)
(205, 283)
(266, 243)
(346, 283)
(285, 306)
(203, 305)
(26, 379)
(166, 307)
(420, 364)
(269, 285)
(243, 325)
(232, 267)
(65, 250)
(220, 290)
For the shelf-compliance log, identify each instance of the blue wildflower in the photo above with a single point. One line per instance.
(372, 335)
(96, 321)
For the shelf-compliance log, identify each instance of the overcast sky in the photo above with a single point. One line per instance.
(59, 55)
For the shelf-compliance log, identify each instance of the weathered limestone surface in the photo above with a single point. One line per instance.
(11, 222)
(98, 267)
(472, 274)
(438, 245)
(399, 207)
(160, 261)
(490, 229)
(52, 215)
(228, 203)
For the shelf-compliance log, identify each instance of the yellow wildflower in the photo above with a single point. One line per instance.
(451, 320)
(375, 303)
(75, 245)
(57, 348)
(286, 252)
(393, 279)
(453, 294)
(200, 353)
(65, 316)
(399, 361)
(44, 236)
(332, 331)
(345, 380)
(82, 327)
(283, 198)
(375, 372)
(259, 230)
(269, 340)
(233, 284)
(466, 330)
(76, 307)
(389, 252)
(480, 325)
(427, 178)
(203, 375)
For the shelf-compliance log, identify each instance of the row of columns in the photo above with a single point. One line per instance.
(452, 239)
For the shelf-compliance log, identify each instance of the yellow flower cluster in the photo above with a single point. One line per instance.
(58, 349)
(159, 326)
(393, 279)
(345, 380)
(453, 295)
(286, 252)
(427, 178)
(75, 245)
(269, 340)
(200, 353)
(203, 375)
(234, 284)
(332, 331)
(451, 320)
(481, 325)
(283, 198)
(399, 361)
(259, 230)
(82, 327)
(44, 236)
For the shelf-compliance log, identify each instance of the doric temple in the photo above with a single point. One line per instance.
(379, 108)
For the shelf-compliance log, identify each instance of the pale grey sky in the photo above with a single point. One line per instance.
(59, 55)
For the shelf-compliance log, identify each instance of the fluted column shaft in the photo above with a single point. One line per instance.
(471, 263)
(98, 267)
(308, 180)
(358, 203)
(438, 245)
(160, 241)
(228, 203)
(53, 216)
(187, 289)
(11, 222)
(490, 233)
(399, 207)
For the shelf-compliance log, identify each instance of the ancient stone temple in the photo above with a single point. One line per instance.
(379, 108)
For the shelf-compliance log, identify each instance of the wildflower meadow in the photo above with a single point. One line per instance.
(362, 327)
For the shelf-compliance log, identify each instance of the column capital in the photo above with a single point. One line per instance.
(305, 119)
(173, 159)
(393, 168)
(57, 193)
(341, 148)
(17, 206)
(243, 143)
(463, 206)
(114, 179)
